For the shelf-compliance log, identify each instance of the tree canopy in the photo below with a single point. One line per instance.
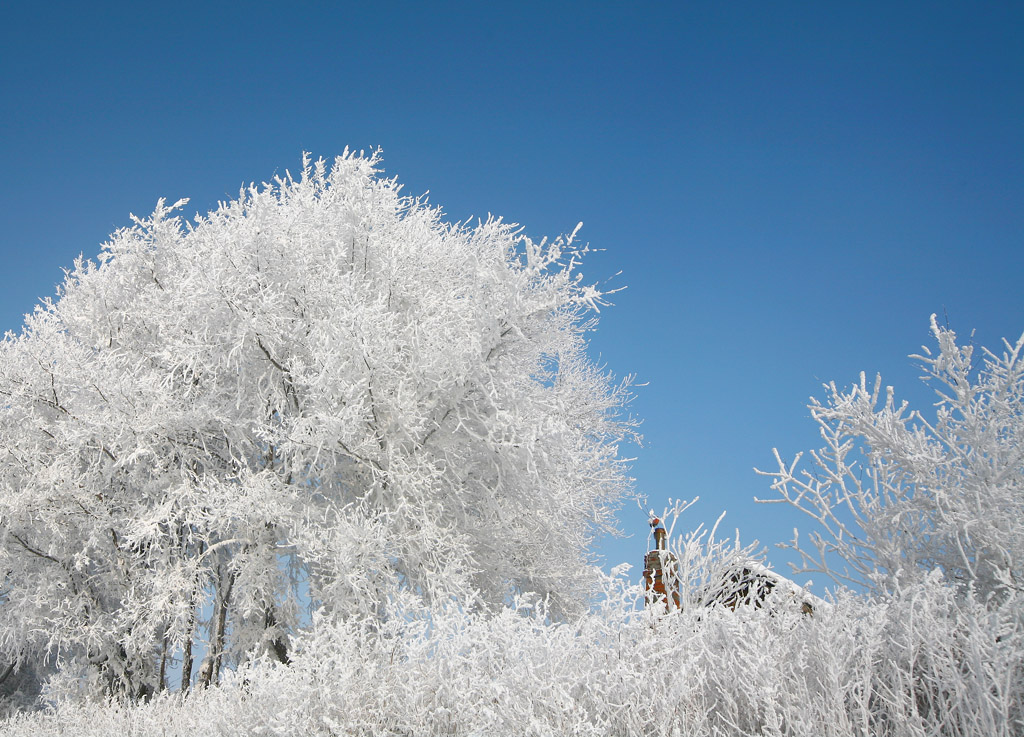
(320, 392)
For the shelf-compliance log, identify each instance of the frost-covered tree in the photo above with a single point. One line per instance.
(898, 494)
(319, 392)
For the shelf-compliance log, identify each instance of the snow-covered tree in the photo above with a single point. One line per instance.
(897, 494)
(319, 392)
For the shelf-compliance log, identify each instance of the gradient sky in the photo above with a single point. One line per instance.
(788, 189)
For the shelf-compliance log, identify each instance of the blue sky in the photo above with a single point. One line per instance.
(789, 189)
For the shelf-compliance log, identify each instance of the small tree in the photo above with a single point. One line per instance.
(320, 391)
(897, 495)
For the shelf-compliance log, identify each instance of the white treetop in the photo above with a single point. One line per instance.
(897, 495)
(320, 389)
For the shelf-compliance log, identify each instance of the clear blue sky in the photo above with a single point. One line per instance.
(789, 189)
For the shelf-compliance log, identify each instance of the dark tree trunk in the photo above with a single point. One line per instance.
(278, 646)
(227, 583)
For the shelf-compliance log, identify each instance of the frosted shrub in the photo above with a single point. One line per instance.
(896, 494)
(924, 661)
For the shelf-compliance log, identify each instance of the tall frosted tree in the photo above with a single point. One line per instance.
(320, 392)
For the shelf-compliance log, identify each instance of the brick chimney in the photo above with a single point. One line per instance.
(661, 574)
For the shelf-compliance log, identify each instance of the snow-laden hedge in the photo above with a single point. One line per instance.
(922, 662)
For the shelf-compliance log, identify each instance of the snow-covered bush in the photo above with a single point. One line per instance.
(897, 494)
(922, 662)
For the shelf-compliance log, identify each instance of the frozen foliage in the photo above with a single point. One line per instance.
(925, 662)
(321, 392)
(898, 495)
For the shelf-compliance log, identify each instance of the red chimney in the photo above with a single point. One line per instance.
(661, 575)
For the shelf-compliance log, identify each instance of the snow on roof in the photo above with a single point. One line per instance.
(780, 583)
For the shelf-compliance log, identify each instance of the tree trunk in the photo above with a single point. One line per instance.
(227, 583)
(187, 661)
(278, 645)
(160, 683)
(186, 658)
